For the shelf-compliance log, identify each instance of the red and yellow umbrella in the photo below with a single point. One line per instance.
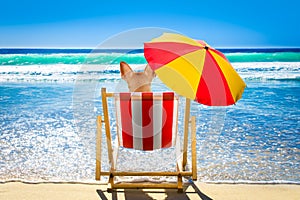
(193, 69)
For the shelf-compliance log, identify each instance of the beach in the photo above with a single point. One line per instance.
(234, 66)
(50, 99)
(66, 191)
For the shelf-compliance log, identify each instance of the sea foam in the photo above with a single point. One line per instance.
(100, 72)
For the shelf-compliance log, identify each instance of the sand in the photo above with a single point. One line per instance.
(204, 191)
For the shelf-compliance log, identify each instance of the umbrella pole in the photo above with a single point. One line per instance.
(186, 131)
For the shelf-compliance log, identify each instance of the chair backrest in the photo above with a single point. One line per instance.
(146, 120)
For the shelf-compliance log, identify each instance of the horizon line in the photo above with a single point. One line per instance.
(91, 48)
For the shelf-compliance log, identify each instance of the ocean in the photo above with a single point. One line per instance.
(49, 100)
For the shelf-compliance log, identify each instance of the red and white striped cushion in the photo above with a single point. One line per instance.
(146, 121)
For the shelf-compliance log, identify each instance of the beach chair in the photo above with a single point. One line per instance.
(145, 121)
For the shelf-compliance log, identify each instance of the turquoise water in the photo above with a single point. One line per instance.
(49, 101)
(133, 57)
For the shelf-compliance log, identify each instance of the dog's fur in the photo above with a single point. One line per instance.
(137, 81)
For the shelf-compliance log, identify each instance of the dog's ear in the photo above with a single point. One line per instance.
(149, 72)
(125, 69)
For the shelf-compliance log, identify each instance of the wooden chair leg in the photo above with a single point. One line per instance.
(186, 131)
(98, 148)
(193, 147)
(110, 186)
(179, 184)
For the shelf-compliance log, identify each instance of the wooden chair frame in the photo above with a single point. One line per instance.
(181, 167)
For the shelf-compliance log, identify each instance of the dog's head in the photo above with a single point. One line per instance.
(137, 81)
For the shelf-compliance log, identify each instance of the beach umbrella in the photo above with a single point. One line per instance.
(193, 69)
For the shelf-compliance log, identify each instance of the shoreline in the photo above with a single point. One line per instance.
(197, 190)
(103, 182)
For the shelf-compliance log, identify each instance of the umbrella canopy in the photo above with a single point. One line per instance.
(193, 69)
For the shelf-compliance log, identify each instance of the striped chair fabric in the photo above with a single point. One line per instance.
(146, 121)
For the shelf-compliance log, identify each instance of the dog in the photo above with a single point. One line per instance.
(137, 81)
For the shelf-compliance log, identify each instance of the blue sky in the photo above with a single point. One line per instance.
(231, 23)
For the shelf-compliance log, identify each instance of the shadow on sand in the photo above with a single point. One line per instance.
(191, 191)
